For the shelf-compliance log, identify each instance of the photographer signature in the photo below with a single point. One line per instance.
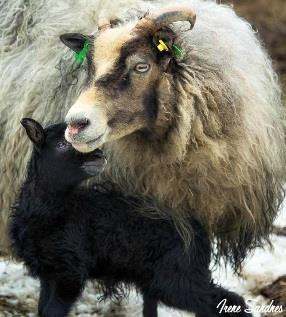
(269, 308)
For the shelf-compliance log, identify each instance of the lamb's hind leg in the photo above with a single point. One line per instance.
(185, 284)
(58, 297)
(199, 296)
(226, 303)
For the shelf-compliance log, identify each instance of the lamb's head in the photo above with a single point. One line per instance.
(130, 80)
(54, 161)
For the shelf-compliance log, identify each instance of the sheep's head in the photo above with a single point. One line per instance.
(129, 80)
(54, 161)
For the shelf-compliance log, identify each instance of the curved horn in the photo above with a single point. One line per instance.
(156, 21)
(103, 24)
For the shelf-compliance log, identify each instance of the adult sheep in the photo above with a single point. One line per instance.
(201, 129)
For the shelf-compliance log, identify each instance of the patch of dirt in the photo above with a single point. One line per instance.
(11, 307)
(276, 291)
(279, 231)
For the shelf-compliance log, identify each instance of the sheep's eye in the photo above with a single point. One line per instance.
(142, 67)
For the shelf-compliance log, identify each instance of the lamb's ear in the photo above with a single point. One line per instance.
(34, 131)
(74, 41)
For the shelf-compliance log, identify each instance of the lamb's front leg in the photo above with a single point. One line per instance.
(58, 297)
(45, 294)
(150, 306)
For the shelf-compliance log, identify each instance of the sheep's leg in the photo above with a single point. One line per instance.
(149, 307)
(186, 285)
(180, 292)
(45, 294)
(199, 296)
(57, 299)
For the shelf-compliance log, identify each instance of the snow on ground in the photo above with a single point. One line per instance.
(19, 292)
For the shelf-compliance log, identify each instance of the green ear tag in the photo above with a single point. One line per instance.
(177, 51)
(81, 55)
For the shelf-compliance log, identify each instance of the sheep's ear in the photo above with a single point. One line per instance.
(167, 37)
(34, 131)
(165, 34)
(74, 41)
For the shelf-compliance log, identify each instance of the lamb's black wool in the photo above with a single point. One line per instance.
(66, 235)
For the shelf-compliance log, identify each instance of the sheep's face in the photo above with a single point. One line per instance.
(129, 86)
(127, 80)
(55, 161)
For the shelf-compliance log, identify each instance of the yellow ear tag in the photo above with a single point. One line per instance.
(162, 46)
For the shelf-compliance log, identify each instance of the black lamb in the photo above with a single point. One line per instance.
(67, 234)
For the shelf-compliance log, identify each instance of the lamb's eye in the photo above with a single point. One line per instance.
(63, 145)
(142, 67)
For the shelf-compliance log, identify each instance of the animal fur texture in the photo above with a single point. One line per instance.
(225, 154)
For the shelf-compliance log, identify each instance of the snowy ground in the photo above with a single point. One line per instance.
(18, 292)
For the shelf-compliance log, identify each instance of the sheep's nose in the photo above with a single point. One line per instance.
(76, 125)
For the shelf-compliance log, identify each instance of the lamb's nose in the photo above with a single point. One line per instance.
(76, 125)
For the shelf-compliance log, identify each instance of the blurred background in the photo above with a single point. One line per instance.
(268, 17)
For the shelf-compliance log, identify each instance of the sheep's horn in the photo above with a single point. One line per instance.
(103, 24)
(156, 21)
